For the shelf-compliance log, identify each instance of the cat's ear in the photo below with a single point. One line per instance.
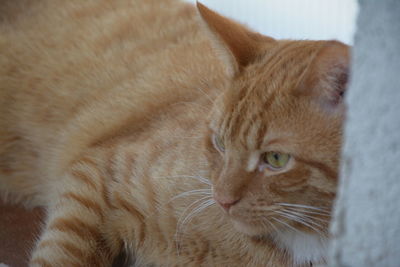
(329, 74)
(236, 45)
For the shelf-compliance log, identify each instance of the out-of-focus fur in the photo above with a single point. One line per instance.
(106, 117)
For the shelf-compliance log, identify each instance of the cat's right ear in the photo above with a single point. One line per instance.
(236, 45)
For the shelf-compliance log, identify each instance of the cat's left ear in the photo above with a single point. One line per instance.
(329, 75)
(236, 45)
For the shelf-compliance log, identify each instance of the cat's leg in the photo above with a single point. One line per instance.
(75, 233)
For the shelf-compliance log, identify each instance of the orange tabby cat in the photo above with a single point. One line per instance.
(182, 139)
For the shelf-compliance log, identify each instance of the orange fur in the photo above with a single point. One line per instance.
(107, 113)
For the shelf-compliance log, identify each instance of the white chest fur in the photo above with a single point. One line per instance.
(303, 247)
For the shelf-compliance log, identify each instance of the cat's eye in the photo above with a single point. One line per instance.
(218, 143)
(275, 160)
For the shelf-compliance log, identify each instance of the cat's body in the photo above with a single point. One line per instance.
(105, 118)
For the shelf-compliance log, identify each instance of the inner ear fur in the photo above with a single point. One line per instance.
(328, 75)
(236, 45)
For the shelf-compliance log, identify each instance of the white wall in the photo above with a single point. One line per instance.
(293, 19)
(366, 227)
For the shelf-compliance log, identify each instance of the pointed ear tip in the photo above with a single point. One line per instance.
(200, 6)
(205, 13)
(335, 44)
(334, 52)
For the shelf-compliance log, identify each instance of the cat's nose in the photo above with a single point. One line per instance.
(226, 203)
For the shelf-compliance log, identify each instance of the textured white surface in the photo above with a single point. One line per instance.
(293, 19)
(367, 220)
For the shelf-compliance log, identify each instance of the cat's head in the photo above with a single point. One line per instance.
(275, 133)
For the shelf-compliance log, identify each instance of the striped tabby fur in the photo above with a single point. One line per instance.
(107, 114)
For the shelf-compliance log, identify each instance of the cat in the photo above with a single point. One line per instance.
(169, 132)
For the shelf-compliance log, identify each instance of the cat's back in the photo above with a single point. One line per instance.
(74, 72)
(60, 58)
(68, 52)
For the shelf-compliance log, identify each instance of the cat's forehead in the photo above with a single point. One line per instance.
(281, 67)
(277, 73)
(253, 123)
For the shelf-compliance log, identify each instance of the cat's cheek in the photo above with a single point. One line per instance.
(216, 165)
(215, 161)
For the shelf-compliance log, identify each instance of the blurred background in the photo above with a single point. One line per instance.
(293, 19)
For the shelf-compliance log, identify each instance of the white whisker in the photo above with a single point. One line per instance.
(302, 206)
(266, 208)
(182, 221)
(201, 207)
(181, 218)
(300, 214)
(196, 177)
(298, 218)
(271, 224)
(209, 98)
(207, 192)
(287, 225)
(187, 137)
(301, 221)
(324, 213)
(193, 192)
(192, 204)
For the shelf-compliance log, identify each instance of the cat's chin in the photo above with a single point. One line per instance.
(304, 248)
(249, 230)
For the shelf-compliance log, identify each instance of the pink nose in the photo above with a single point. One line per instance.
(226, 204)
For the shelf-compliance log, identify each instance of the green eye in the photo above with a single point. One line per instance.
(276, 160)
(218, 143)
